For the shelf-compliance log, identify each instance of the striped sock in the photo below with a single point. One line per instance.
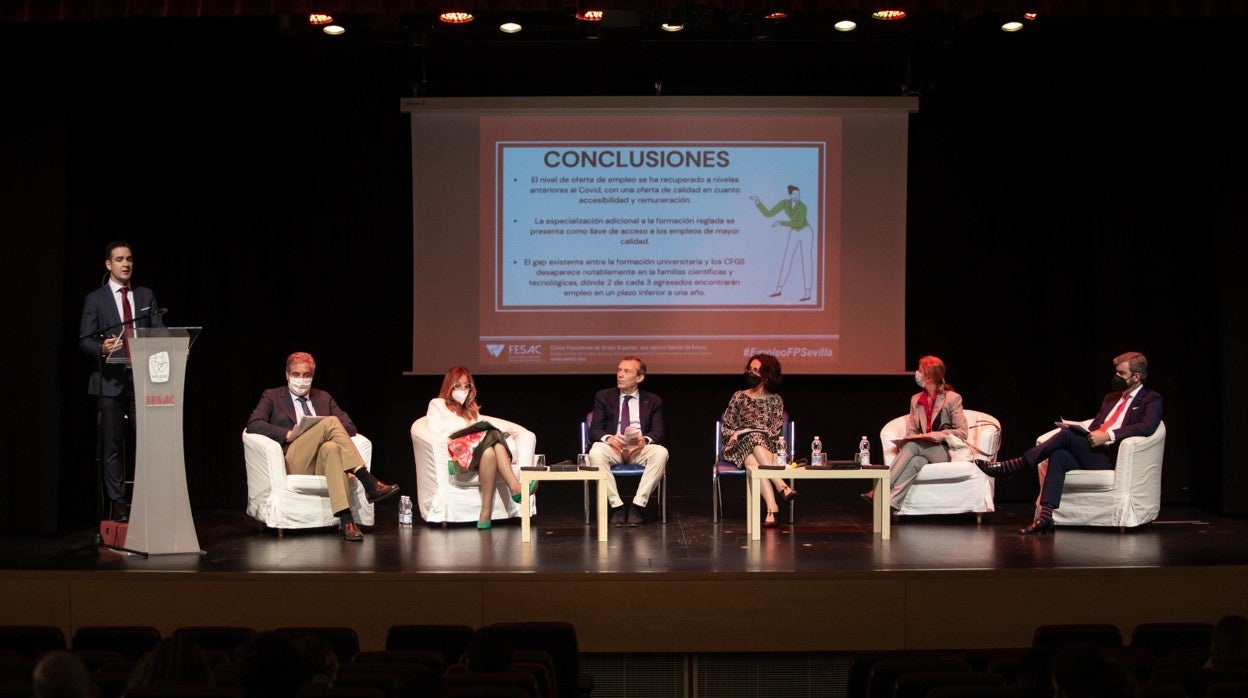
(1046, 513)
(1011, 465)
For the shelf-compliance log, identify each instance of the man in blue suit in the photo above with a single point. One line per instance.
(627, 427)
(1131, 410)
(109, 315)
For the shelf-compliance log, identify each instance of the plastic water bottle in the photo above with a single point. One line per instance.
(405, 510)
(782, 454)
(816, 452)
(864, 451)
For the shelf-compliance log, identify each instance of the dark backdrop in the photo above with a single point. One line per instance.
(1072, 196)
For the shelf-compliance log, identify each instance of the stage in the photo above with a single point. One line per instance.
(825, 584)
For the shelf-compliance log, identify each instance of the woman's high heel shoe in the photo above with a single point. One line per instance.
(789, 494)
(532, 488)
(769, 521)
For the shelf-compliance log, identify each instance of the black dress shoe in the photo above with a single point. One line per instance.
(383, 491)
(993, 469)
(635, 515)
(121, 512)
(1039, 527)
(619, 516)
(351, 532)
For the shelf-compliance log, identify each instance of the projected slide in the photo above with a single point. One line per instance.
(690, 238)
(658, 225)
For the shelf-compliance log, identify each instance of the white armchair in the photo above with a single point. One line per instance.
(956, 487)
(446, 498)
(282, 501)
(1127, 496)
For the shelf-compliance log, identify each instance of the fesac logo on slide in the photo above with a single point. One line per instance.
(686, 224)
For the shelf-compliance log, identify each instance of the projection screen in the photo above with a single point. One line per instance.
(556, 235)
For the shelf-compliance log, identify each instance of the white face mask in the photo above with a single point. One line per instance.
(299, 386)
(460, 396)
(918, 378)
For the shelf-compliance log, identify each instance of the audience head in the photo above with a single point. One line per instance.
(419, 682)
(174, 661)
(1087, 671)
(271, 666)
(768, 369)
(1229, 646)
(489, 650)
(459, 391)
(61, 675)
(322, 663)
(933, 370)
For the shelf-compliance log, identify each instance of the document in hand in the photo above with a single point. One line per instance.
(306, 423)
(1076, 427)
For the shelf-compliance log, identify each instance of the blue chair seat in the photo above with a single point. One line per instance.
(723, 468)
(621, 470)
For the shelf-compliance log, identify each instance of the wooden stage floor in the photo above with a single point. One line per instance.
(826, 584)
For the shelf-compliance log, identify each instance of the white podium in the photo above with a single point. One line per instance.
(160, 511)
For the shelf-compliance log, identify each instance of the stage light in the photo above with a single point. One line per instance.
(1030, 16)
(334, 29)
(888, 15)
(456, 17)
(676, 20)
(589, 15)
(1012, 26)
(776, 15)
(846, 25)
(317, 19)
(509, 27)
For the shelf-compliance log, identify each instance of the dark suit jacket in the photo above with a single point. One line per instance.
(99, 311)
(1143, 414)
(275, 414)
(605, 418)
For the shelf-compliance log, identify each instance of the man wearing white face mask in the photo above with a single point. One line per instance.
(324, 449)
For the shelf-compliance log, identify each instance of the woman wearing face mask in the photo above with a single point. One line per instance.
(473, 443)
(935, 413)
(752, 424)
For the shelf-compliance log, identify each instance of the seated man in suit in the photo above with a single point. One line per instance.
(325, 448)
(1131, 410)
(627, 426)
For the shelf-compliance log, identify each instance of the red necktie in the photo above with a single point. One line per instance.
(127, 330)
(126, 315)
(625, 418)
(1122, 404)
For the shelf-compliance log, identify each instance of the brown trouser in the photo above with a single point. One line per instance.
(327, 450)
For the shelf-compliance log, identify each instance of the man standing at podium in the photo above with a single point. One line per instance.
(325, 448)
(109, 315)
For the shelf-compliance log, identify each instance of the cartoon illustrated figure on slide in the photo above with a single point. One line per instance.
(799, 248)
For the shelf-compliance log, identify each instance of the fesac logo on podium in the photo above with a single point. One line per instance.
(158, 372)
